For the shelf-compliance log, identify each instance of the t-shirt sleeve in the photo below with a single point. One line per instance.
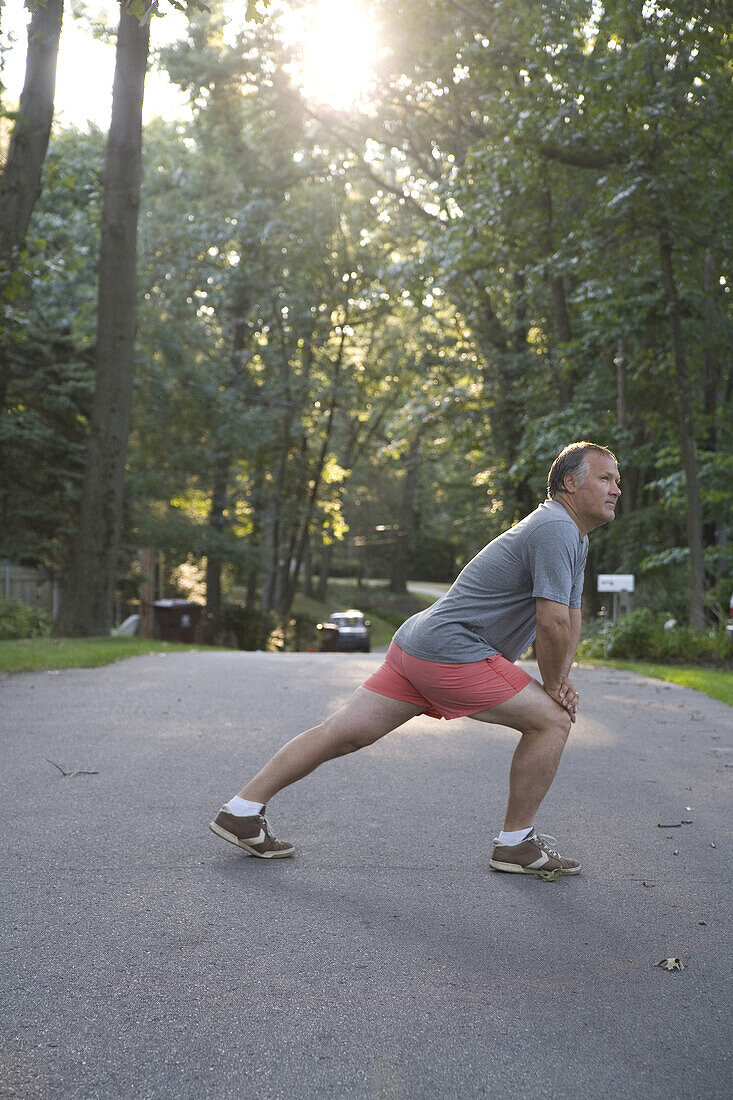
(576, 594)
(551, 558)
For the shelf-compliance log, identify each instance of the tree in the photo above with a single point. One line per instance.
(86, 606)
(20, 182)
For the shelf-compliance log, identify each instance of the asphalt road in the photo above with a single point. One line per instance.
(143, 957)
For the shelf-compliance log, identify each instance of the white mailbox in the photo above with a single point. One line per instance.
(615, 582)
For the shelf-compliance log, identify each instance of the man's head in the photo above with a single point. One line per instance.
(584, 478)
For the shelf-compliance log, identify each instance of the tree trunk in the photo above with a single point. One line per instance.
(686, 429)
(222, 473)
(86, 607)
(324, 571)
(257, 502)
(711, 362)
(20, 184)
(621, 383)
(345, 459)
(405, 531)
(308, 585)
(561, 314)
(304, 533)
(217, 521)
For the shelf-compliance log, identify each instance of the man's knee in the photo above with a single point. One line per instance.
(564, 723)
(555, 720)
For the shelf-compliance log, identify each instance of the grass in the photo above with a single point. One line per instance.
(37, 654)
(384, 611)
(34, 654)
(715, 682)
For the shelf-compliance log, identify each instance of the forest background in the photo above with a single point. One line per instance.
(356, 335)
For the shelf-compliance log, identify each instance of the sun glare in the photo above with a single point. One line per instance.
(334, 47)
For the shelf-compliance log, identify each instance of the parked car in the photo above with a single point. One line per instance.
(729, 624)
(345, 630)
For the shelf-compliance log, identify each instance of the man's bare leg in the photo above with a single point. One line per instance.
(362, 720)
(544, 726)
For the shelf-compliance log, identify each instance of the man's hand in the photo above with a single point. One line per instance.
(566, 695)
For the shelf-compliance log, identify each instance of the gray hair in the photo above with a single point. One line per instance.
(572, 462)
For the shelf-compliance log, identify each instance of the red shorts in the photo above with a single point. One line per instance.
(447, 691)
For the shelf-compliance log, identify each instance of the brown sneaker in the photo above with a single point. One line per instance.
(251, 833)
(533, 856)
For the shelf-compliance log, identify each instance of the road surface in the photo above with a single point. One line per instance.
(143, 957)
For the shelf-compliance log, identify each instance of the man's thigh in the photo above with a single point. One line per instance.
(529, 711)
(367, 716)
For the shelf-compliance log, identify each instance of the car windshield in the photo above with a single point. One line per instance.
(347, 620)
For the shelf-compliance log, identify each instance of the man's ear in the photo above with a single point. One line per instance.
(569, 483)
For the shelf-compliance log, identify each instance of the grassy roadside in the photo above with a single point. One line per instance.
(384, 611)
(36, 654)
(715, 682)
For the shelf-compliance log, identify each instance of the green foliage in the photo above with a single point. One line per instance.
(19, 620)
(251, 628)
(641, 634)
(46, 343)
(294, 634)
(474, 261)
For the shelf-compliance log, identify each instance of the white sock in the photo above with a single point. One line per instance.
(516, 836)
(240, 807)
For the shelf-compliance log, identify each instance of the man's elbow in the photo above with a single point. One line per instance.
(555, 631)
(552, 618)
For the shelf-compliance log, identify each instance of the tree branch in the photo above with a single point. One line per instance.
(582, 158)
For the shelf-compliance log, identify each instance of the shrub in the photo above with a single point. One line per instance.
(632, 636)
(295, 634)
(20, 620)
(250, 627)
(641, 635)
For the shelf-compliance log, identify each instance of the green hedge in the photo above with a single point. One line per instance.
(643, 635)
(19, 620)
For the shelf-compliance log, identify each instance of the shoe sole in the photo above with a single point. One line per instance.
(218, 831)
(516, 869)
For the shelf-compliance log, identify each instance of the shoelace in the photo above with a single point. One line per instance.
(545, 842)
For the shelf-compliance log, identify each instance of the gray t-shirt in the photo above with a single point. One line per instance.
(490, 608)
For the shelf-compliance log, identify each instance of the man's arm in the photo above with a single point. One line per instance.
(575, 627)
(558, 634)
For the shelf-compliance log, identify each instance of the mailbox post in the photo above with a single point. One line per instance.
(614, 583)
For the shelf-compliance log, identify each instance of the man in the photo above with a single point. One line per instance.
(456, 659)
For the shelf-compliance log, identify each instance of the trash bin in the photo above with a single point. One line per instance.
(176, 620)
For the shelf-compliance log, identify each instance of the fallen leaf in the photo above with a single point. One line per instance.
(647, 883)
(550, 876)
(671, 964)
(702, 922)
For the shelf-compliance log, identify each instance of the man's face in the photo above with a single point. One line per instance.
(594, 502)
